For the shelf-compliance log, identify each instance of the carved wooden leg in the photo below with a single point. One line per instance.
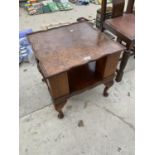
(123, 63)
(58, 107)
(107, 86)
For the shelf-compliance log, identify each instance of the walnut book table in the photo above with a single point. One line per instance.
(74, 58)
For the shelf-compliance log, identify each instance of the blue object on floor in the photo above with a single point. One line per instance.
(24, 33)
(25, 50)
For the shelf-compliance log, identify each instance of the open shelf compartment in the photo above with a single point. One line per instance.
(83, 76)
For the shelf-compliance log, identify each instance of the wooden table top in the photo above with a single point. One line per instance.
(124, 25)
(63, 48)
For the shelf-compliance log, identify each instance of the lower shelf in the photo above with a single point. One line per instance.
(82, 77)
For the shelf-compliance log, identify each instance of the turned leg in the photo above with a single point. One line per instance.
(123, 63)
(58, 107)
(107, 86)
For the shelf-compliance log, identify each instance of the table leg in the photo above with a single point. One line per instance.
(107, 86)
(58, 107)
(123, 63)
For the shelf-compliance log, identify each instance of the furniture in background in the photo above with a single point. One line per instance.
(74, 58)
(130, 6)
(123, 26)
(106, 16)
(117, 7)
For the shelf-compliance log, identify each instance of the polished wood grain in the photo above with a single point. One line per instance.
(59, 85)
(79, 43)
(107, 65)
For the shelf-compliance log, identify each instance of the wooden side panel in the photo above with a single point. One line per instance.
(107, 66)
(100, 65)
(59, 85)
(111, 64)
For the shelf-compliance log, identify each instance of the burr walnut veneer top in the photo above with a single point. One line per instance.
(60, 49)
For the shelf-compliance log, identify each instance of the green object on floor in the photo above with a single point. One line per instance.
(60, 6)
(67, 6)
(53, 6)
(64, 6)
(46, 9)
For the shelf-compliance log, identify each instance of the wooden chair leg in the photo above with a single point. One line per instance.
(123, 63)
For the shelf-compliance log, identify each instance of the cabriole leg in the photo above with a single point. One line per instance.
(58, 107)
(107, 86)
